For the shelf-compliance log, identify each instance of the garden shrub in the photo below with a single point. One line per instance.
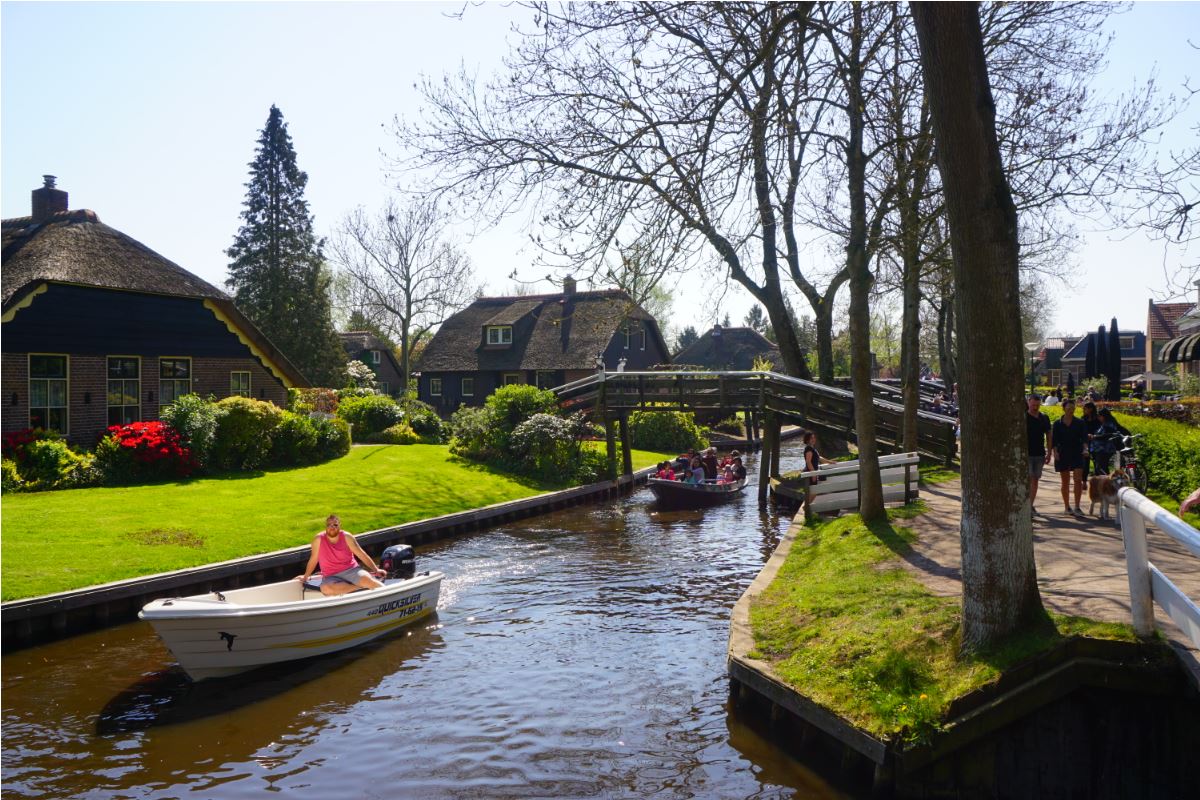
(665, 431)
(547, 447)
(511, 405)
(424, 420)
(195, 419)
(471, 427)
(16, 443)
(400, 433)
(308, 401)
(368, 415)
(52, 464)
(142, 451)
(333, 438)
(244, 433)
(10, 479)
(294, 441)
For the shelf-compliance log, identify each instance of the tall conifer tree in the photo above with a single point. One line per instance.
(277, 272)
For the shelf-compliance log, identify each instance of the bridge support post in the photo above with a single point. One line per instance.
(766, 455)
(610, 443)
(626, 450)
(749, 428)
(776, 438)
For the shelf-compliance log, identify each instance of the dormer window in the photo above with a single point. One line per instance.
(635, 337)
(499, 334)
(374, 356)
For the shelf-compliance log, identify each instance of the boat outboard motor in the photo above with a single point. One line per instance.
(398, 561)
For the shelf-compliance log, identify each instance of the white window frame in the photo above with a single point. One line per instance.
(190, 378)
(468, 382)
(1126, 343)
(249, 388)
(435, 387)
(66, 407)
(375, 357)
(503, 334)
(137, 395)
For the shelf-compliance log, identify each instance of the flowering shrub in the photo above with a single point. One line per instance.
(360, 375)
(244, 433)
(195, 419)
(400, 433)
(471, 426)
(143, 451)
(307, 401)
(16, 444)
(10, 479)
(547, 446)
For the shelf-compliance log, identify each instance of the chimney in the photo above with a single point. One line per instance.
(47, 200)
(568, 286)
(1198, 293)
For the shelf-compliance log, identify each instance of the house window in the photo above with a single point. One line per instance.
(48, 392)
(499, 334)
(124, 389)
(468, 387)
(435, 387)
(511, 377)
(174, 379)
(635, 337)
(1126, 342)
(546, 379)
(384, 388)
(374, 356)
(239, 383)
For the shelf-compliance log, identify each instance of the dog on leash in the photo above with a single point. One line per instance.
(1102, 489)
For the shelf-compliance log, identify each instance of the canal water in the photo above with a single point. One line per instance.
(577, 654)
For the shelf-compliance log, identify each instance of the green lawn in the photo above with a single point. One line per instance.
(849, 628)
(55, 541)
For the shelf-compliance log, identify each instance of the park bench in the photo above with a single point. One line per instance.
(839, 489)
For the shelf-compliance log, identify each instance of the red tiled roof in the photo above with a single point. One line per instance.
(1160, 320)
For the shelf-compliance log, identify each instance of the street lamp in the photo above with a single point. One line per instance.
(1032, 347)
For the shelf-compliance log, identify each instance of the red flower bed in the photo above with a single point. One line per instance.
(15, 443)
(155, 446)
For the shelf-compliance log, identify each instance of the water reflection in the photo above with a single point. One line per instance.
(579, 654)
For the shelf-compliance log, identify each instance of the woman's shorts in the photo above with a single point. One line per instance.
(1068, 464)
(351, 576)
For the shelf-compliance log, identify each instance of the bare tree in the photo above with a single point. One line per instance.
(999, 578)
(634, 116)
(405, 272)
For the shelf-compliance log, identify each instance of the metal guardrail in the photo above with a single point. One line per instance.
(1147, 584)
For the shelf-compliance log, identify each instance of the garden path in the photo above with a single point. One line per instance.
(1080, 562)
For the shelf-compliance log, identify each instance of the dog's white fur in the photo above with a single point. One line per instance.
(1102, 489)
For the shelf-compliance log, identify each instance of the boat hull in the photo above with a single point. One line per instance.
(216, 635)
(676, 494)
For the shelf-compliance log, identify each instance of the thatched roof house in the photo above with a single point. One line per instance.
(723, 349)
(545, 340)
(99, 329)
(368, 348)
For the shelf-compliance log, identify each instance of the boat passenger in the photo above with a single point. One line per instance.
(334, 550)
(665, 471)
(698, 473)
(710, 463)
(739, 470)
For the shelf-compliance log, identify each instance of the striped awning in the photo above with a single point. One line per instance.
(1180, 349)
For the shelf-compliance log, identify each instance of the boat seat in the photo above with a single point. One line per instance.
(314, 583)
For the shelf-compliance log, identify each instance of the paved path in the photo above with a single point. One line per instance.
(1080, 562)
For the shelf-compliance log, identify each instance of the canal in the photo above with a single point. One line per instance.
(577, 654)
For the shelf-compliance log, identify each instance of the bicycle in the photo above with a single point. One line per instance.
(1129, 471)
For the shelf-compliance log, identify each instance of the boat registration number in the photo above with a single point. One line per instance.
(410, 604)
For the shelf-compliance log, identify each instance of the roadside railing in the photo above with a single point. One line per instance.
(1147, 584)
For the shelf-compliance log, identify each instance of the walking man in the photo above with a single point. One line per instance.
(1037, 425)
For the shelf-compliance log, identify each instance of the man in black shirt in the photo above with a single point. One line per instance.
(1069, 438)
(1037, 425)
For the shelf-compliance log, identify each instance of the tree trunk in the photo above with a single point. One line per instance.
(999, 579)
(947, 363)
(910, 338)
(823, 321)
(870, 486)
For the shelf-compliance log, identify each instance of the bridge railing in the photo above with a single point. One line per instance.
(1147, 584)
(815, 404)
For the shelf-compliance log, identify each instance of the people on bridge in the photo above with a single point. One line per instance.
(1039, 432)
(334, 550)
(1069, 439)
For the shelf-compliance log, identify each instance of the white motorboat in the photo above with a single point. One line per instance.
(223, 633)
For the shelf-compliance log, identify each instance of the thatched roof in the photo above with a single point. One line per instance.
(568, 331)
(75, 247)
(729, 349)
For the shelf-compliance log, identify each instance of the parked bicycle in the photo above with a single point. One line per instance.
(1128, 470)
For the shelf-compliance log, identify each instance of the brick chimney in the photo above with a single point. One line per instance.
(47, 200)
(568, 286)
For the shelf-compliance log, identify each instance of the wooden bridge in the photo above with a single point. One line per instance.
(767, 400)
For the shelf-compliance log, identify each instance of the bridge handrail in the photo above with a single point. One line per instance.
(851, 467)
(1147, 584)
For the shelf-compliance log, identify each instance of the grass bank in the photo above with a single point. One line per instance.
(56, 541)
(844, 624)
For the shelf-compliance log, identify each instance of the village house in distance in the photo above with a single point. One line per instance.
(100, 330)
(546, 340)
(723, 349)
(368, 348)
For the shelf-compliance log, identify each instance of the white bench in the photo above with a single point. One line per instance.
(839, 489)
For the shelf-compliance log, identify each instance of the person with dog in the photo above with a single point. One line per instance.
(1104, 442)
(1091, 424)
(1069, 443)
(1037, 426)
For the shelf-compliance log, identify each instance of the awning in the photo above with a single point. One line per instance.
(1181, 349)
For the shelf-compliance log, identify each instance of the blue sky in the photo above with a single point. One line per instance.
(149, 112)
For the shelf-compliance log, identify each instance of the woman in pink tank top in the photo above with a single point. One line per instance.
(334, 550)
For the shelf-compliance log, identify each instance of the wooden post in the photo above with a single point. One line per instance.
(610, 443)
(764, 460)
(626, 451)
(776, 431)
(749, 429)
(1141, 600)
(951, 446)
